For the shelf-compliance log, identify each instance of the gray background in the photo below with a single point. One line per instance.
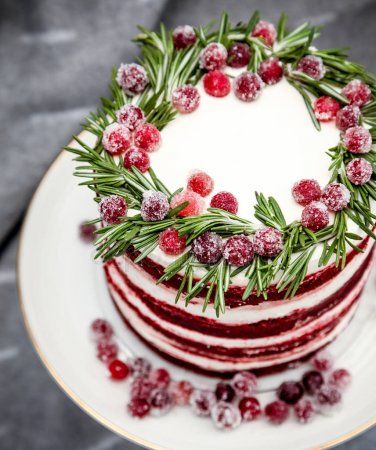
(55, 57)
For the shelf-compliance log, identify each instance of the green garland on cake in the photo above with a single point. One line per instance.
(167, 69)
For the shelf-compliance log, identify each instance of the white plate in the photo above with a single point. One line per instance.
(61, 290)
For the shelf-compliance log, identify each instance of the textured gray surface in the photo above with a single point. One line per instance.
(55, 59)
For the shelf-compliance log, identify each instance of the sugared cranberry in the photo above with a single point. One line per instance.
(160, 378)
(181, 392)
(359, 171)
(328, 399)
(250, 408)
(312, 381)
(132, 78)
(347, 117)
(135, 157)
(238, 250)
(336, 196)
(140, 367)
(107, 351)
(116, 139)
(225, 416)
(357, 140)
(87, 231)
(118, 370)
(326, 108)
(306, 191)
(217, 84)
(357, 92)
(224, 392)
(290, 392)
(322, 361)
(131, 116)
(171, 243)
(248, 86)
(201, 183)
(226, 201)
(195, 205)
(304, 411)
(183, 36)
(202, 401)
(141, 387)
(340, 379)
(312, 66)
(112, 208)
(239, 55)
(207, 248)
(161, 402)
(154, 206)
(244, 384)
(213, 56)
(185, 99)
(101, 330)
(266, 31)
(139, 407)
(147, 137)
(315, 216)
(271, 70)
(277, 412)
(268, 242)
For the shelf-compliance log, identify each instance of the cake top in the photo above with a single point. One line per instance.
(208, 118)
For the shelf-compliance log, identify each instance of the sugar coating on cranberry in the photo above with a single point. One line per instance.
(315, 216)
(195, 205)
(208, 248)
(116, 139)
(322, 361)
(202, 401)
(238, 250)
(140, 367)
(171, 243)
(226, 201)
(266, 31)
(244, 384)
(347, 117)
(340, 379)
(154, 206)
(160, 378)
(312, 66)
(185, 99)
(141, 387)
(225, 416)
(304, 411)
(248, 86)
(107, 351)
(112, 208)
(183, 36)
(201, 183)
(118, 370)
(306, 191)
(336, 196)
(131, 116)
(213, 56)
(271, 70)
(250, 409)
(87, 231)
(268, 242)
(224, 392)
(101, 330)
(239, 55)
(357, 92)
(161, 402)
(328, 399)
(135, 157)
(326, 108)
(312, 381)
(132, 78)
(277, 412)
(147, 137)
(216, 84)
(359, 171)
(139, 407)
(181, 392)
(290, 392)
(357, 140)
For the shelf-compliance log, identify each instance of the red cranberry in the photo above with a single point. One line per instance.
(336, 196)
(147, 137)
(213, 56)
(207, 248)
(340, 379)
(357, 140)
(161, 402)
(113, 208)
(160, 378)
(239, 55)
(171, 243)
(238, 250)
(217, 84)
(248, 86)
(315, 216)
(226, 201)
(277, 412)
(268, 242)
(181, 392)
(201, 183)
(132, 78)
(118, 370)
(87, 231)
(141, 387)
(139, 407)
(290, 392)
(107, 351)
(244, 384)
(138, 158)
(312, 381)
(185, 99)
(140, 367)
(266, 31)
(202, 401)
(326, 108)
(224, 392)
(225, 416)
(116, 139)
(183, 36)
(359, 171)
(154, 206)
(347, 117)
(357, 92)
(271, 70)
(306, 191)
(304, 411)
(249, 408)
(131, 116)
(101, 330)
(328, 399)
(195, 203)
(312, 66)
(322, 361)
